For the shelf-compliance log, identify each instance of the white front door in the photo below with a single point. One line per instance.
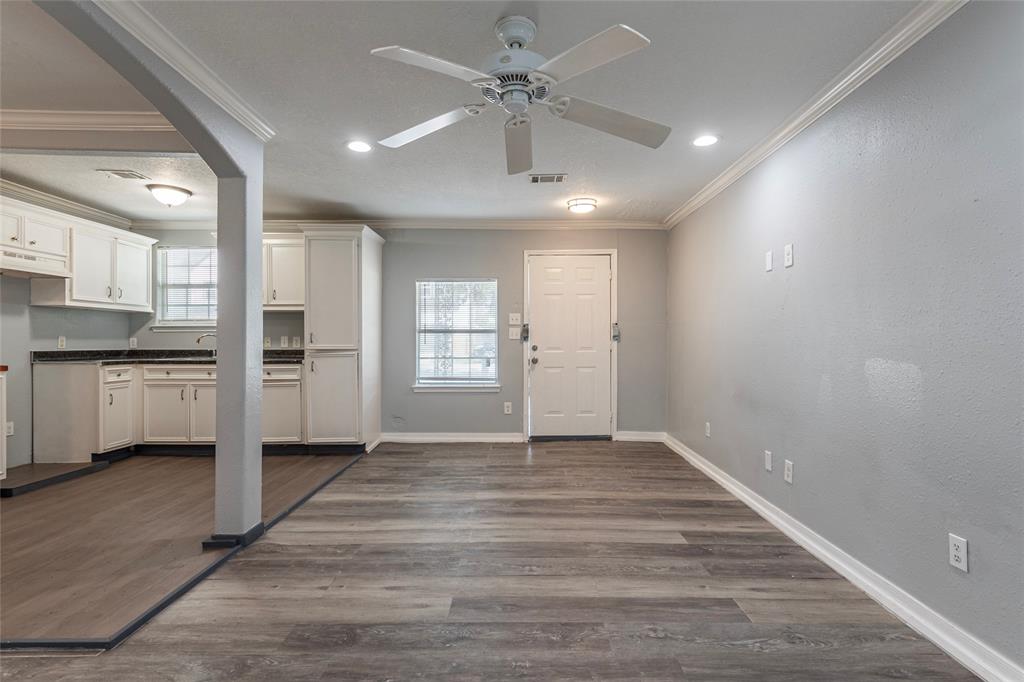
(570, 347)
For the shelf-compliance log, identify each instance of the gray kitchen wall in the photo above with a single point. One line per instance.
(412, 254)
(24, 328)
(887, 362)
(275, 324)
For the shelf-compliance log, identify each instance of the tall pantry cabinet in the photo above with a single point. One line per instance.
(343, 335)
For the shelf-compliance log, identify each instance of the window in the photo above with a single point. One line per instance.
(187, 277)
(457, 333)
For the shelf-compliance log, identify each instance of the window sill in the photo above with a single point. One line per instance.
(196, 327)
(456, 388)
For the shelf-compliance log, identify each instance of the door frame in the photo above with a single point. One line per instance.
(613, 255)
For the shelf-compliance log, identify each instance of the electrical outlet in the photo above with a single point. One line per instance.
(958, 552)
(133, 342)
(62, 342)
(266, 342)
(767, 261)
(707, 429)
(9, 430)
(767, 460)
(787, 256)
(284, 342)
(508, 408)
(787, 473)
(296, 342)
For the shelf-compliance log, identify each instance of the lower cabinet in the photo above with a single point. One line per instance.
(165, 413)
(332, 397)
(117, 430)
(202, 417)
(282, 412)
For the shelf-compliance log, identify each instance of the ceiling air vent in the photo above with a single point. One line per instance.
(123, 173)
(541, 178)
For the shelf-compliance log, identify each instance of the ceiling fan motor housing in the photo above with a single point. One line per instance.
(514, 90)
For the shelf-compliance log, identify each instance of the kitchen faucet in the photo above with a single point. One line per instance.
(200, 338)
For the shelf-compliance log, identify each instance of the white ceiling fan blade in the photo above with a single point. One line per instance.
(606, 46)
(429, 62)
(431, 126)
(611, 121)
(519, 144)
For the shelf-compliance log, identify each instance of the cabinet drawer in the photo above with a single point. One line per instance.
(117, 374)
(292, 372)
(200, 372)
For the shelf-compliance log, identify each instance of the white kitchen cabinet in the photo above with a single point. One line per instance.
(45, 235)
(165, 410)
(117, 428)
(134, 273)
(285, 274)
(33, 241)
(92, 259)
(3, 424)
(332, 389)
(203, 413)
(282, 411)
(343, 334)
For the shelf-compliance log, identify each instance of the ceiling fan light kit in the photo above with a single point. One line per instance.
(515, 78)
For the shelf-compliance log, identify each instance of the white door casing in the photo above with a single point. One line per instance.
(570, 377)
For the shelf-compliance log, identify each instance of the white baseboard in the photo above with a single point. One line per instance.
(975, 655)
(451, 438)
(640, 436)
(371, 446)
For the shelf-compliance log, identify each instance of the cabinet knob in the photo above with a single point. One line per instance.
(167, 372)
(32, 243)
(14, 238)
(274, 296)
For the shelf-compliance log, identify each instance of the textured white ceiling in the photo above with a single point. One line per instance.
(734, 68)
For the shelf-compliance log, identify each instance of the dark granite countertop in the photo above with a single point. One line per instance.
(153, 356)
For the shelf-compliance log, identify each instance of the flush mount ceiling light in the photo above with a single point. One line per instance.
(705, 140)
(168, 195)
(359, 146)
(583, 205)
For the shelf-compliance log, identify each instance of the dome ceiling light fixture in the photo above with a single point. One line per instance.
(705, 140)
(582, 205)
(169, 195)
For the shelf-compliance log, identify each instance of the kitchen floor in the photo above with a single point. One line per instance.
(581, 561)
(84, 558)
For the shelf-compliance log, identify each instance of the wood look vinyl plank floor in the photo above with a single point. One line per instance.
(552, 561)
(83, 558)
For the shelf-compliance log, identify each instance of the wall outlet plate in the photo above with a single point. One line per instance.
(9, 429)
(707, 429)
(133, 342)
(787, 473)
(514, 333)
(284, 342)
(767, 261)
(508, 408)
(767, 460)
(958, 552)
(515, 318)
(296, 342)
(62, 342)
(787, 256)
(266, 342)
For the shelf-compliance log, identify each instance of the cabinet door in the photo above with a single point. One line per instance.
(332, 398)
(165, 413)
(117, 416)
(10, 229)
(286, 264)
(92, 266)
(133, 274)
(45, 236)
(282, 412)
(332, 292)
(203, 420)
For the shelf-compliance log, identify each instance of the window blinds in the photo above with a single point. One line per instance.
(188, 283)
(456, 331)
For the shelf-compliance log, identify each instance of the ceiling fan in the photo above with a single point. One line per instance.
(516, 78)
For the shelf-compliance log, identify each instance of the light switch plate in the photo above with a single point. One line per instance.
(133, 342)
(707, 429)
(515, 318)
(513, 333)
(62, 342)
(296, 342)
(958, 552)
(284, 342)
(787, 473)
(767, 261)
(787, 256)
(10, 429)
(767, 460)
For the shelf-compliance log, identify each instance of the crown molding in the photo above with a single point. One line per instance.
(147, 30)
(298, 225)
(117, 121)
(13, 190)
(924, 17)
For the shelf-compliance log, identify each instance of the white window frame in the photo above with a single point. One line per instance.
(162, 323)
(456, 386)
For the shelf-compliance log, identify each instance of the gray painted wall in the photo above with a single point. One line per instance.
(887, 363)
(24, 328)
(416, 254)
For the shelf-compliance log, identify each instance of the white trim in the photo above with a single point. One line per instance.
(119, 121)
(137, 21)
(970, 651)
(640, 436)
(196, 327)
(45, 200)
(370, 447)
(411, 224)
(451, 438)
(925, 16)
(613, 254)
(456, 388)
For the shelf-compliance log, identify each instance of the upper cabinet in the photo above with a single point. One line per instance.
(332, 283)
(33, 241)
(284, 273)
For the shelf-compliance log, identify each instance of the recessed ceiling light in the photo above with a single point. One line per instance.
(582, 205)
(169, 195)
(705, 140)
(359, 146)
